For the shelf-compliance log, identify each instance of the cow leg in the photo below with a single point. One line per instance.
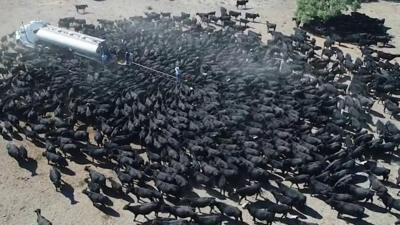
(240, 200)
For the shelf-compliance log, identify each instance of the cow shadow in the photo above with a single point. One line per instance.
(127, 198)
(394, 214)
(115, 194)
(17, 136)
(6, 136)
(290, 221)
(396, 116)
(80, 158)
(103, 164)
(188, 194)
(390, 184)
(258, 22)
(191, 194)
(387, 45)
(85, 13)
(356, 221)
(387, 157)
(38, 143)
(373, 207)
(266, 203)
(245, 8)
(306, 210)
(217, 194)
(108, 211)
(66, 171)
(230, 221)
(375, 113)
(68, 191)
(30, 165)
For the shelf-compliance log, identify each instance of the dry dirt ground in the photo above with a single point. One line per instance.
(21, 193)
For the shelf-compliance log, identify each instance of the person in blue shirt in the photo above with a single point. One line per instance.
(104, 58)
(178, 74)
(127, 56)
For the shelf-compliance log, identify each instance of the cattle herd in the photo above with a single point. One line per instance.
(245, 120)
(356, 28)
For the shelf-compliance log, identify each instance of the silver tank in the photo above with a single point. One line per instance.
(81, 44)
